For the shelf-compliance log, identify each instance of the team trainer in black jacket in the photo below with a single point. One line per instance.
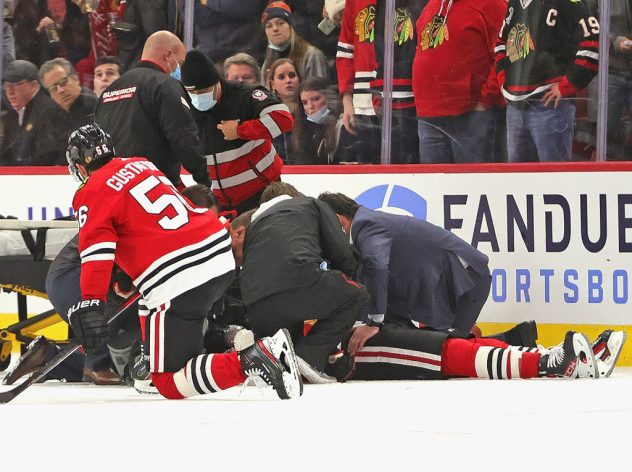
(296, 267)
(147, 113)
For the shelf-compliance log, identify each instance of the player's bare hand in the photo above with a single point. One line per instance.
(361, 335)
(229, 128)
(552, 95)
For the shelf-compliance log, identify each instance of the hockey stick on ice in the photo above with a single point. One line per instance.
(6, 397)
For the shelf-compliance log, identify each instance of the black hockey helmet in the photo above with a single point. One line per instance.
(89, 146)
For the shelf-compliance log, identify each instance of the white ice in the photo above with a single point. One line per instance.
(456, 425)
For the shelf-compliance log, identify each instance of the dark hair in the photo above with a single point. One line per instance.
(242, 220)
(299, 133)
(278, 188)
(109, 60)
(200, 195)
(340, 204)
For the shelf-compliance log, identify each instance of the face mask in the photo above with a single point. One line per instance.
(203, 101)
(281, 48)
(175, 73)
(320, 116)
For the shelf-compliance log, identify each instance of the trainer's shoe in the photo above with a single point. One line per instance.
(107, 376)
(271, 361)
(606, 349)
(311, 375)
(30, 361)
(571, 359)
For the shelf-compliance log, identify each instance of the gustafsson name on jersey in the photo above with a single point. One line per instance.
(128, 173)
(120, 94)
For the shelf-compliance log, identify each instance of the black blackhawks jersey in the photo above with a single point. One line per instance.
(543, 42)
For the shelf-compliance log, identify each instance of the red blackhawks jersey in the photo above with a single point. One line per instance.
(543, 42)
(130, 214)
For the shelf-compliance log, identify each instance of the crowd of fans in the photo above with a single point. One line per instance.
(473, 80)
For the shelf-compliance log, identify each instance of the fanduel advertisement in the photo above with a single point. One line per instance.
(559, 243)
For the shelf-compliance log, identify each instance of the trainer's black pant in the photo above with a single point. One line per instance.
(334, 301)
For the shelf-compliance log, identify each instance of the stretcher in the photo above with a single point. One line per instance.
(27, 249)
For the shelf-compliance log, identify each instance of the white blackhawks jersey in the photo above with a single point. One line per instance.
(129, 213)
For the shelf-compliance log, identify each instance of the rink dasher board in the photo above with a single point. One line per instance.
(559, 236)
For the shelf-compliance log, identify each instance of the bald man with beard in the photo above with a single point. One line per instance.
(147, 112)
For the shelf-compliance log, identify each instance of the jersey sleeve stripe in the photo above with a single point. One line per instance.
(99, 247)
(271, 126)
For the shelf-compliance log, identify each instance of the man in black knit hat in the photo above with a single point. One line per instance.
(237, 123)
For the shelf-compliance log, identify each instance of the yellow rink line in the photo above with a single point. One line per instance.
(550, 334)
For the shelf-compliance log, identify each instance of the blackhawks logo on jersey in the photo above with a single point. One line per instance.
(403, 29)
(434, 33)
(365, 25)
(519, 42)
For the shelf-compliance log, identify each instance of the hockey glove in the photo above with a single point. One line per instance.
(87, 319)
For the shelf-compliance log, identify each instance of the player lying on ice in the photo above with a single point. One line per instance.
(180, 259)
(397, 348)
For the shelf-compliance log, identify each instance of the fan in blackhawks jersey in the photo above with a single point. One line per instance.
(237, 123)
(547, 51)
(180, 259)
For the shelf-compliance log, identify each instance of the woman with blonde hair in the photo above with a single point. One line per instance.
(283, 80)
(284, 42)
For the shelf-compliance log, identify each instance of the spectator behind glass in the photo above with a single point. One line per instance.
(106, 70)
(225, 27)
(360, 67)
(45, 29)
(8, 47)
(318, 136)
(455, 98)
(284, 42)
(242, 67)
(141, 18)
(29, 134)
(58, 76)
(284, 81)
(545, 54)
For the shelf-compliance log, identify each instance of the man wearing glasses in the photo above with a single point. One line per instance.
(29, 131)
(60, 79)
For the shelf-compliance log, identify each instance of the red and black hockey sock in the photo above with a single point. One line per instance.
(207, 373)
(487, 358)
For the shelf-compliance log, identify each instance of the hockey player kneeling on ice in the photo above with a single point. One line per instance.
(179, 257)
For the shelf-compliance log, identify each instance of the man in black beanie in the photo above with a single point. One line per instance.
(237, 123)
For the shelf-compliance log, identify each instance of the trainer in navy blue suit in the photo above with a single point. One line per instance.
(413, 269)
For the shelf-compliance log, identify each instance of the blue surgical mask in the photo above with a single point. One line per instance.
(281, 48)
(176, 74)
(320, 116)
(203, 101)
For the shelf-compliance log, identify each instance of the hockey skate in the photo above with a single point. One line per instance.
(572, 359)
(271, 361)
(141, 376)
(606, 349)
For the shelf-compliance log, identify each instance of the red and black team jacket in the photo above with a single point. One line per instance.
(242, 167)
(359, 59)
(543, 42)
(130, 213)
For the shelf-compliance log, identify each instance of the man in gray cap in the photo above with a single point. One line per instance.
(29, 135)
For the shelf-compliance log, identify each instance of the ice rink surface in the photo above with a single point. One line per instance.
(460, 425)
